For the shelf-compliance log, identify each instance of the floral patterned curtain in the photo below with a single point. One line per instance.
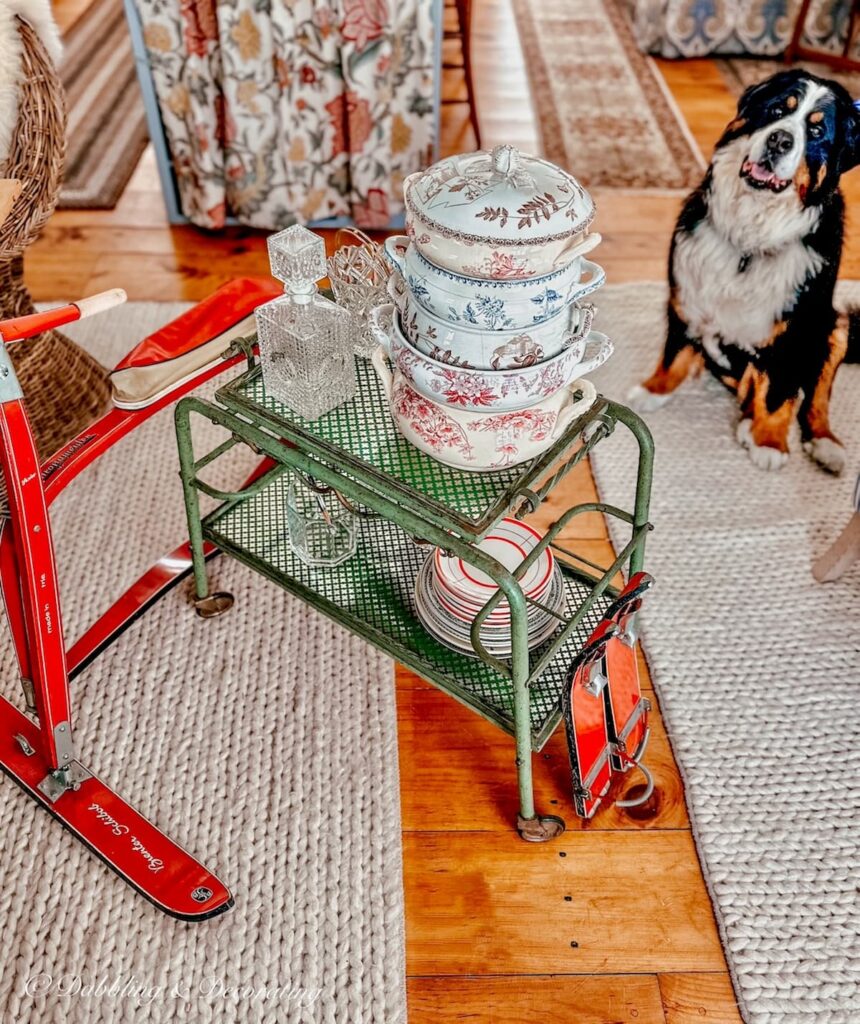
(282, 110)
(693, 28)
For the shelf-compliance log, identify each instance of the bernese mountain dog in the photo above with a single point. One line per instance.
(753, 265)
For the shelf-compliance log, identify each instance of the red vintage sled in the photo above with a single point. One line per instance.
(605, 714)
(42, 758)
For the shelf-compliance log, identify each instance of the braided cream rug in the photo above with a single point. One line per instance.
(757, 668)
(263, 741)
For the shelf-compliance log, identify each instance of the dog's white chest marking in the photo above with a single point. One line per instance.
(721, 303)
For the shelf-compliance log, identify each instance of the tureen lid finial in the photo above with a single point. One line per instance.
(506, 160)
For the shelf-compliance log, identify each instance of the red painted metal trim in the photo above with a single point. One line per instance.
(31, 532)
(157, 581)
(64, 465)
(142, 594)
(10, 585)
(139, 852)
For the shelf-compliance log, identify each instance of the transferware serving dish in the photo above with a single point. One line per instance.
(462, 344)
(479, 441)
(462, 387)
(500, 305)
(498, 215)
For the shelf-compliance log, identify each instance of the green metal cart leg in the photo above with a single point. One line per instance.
(643, 477)
(532, 827)
(207, 605)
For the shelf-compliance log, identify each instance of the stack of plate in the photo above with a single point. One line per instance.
(449, 592)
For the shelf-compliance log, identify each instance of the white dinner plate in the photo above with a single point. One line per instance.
(509, 542)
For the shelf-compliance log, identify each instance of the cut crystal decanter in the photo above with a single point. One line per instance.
(305, 338)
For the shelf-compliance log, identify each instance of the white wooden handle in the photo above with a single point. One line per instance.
(99, 303)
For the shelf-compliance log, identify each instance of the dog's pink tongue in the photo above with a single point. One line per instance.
(760, 173)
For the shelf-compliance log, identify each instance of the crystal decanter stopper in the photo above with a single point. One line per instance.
(305, 338)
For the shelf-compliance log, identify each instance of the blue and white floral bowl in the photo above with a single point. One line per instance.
(462, 344)
(501, 305)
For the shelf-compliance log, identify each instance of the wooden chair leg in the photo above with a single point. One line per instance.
(464, 18)
(841, 554)
(790, 55)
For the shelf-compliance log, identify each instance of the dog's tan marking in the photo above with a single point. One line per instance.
(675, 302)
(802, 179)
(816, 116)
(791, 102)
(779, 328)
(665, 379)
(736, 125)
(822, 172)
(816, 411)
(769, 428)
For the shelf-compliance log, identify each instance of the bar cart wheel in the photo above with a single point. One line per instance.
(540, 829)
(213, 605)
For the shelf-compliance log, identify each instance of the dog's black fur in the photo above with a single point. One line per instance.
(791, 371)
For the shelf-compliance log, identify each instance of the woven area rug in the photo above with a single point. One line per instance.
(739, 72)
(757, 669)
(603, 108)
(263, 741)
(107, 127)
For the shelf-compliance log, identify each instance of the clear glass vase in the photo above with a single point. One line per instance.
(323, 532)
(305, 338)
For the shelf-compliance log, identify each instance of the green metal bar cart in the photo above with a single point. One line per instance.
(411, 503)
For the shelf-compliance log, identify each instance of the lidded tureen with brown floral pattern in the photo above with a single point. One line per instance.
(498, 215)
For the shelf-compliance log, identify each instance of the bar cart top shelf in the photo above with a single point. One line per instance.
(360, 438)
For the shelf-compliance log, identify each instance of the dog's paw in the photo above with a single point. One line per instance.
(827, 452)
(641, 399)
(761, 455)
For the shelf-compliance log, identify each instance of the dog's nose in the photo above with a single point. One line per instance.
(780, 141)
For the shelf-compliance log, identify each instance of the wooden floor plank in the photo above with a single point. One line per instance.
(550, 999)
(487, 903)
(458, 773)
(699, 999)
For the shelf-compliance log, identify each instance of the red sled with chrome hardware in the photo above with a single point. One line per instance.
(37, 749)
(605, 714)
(626, 709)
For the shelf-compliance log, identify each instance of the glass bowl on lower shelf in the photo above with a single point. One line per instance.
(323, 531)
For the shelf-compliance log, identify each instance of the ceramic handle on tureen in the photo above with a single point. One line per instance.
(396, 288)
(395, 248)
(380, 364)
(592, 277)
(585, 318)
(380, 324)
(597, 351)
(577, 407)
(580, 248)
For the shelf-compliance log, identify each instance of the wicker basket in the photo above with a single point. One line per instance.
(64, 387)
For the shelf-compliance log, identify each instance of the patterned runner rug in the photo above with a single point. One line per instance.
(603, 109)
(739, 72)
(757, 669)
(107, 127)
(264, 741)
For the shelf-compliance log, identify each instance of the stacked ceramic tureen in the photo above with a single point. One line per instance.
(488, 331)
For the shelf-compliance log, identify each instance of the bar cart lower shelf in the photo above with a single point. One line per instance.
(411, 504)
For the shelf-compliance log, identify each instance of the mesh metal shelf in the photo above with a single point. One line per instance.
(372, 594)
(360, 436)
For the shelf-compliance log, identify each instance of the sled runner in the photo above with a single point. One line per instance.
(42, 758)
